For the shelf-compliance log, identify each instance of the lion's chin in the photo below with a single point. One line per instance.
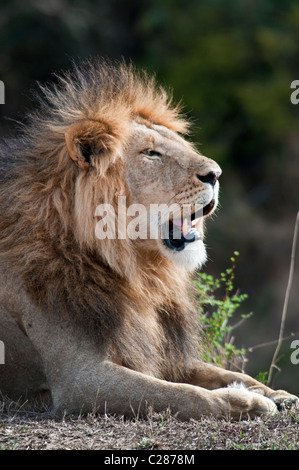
(192, 257)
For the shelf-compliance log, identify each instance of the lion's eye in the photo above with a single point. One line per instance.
(151, 153)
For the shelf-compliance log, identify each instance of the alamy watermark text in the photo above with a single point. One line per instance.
(2, 353)
(2, 93)
(295, 353)
(295, 94)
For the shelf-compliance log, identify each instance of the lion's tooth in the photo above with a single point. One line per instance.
(198, 224)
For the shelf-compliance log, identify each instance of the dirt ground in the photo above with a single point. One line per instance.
(21, 429)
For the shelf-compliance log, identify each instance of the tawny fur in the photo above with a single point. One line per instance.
(105, 323)
(47, 210)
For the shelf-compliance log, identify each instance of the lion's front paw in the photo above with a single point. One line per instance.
(284, 400)
(243, 404)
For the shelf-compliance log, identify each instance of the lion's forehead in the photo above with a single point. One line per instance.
(160, 133)
(163, 131)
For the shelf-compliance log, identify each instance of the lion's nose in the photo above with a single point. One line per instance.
(209, 178)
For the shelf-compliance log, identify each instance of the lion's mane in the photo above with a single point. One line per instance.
(47, 205)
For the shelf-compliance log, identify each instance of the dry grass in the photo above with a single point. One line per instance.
(22, 429)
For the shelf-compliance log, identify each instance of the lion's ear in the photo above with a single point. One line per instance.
(88, 139)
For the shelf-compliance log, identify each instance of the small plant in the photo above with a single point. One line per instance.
(262, 377)
(216, 312)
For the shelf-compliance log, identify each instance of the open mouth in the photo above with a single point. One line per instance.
(183, 231)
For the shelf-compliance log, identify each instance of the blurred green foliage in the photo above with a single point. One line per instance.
(218, 302)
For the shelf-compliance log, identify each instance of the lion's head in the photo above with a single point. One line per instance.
(126, 137)
(164, 169)
(106, 135)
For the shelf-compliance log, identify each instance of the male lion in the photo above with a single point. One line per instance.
(105, 323)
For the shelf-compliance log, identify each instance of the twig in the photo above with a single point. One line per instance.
(239, 323)
(269, 343)
(286, 300)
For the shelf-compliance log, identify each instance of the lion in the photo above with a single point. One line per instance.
(98, 323)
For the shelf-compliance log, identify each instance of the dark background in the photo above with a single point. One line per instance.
(232, 63)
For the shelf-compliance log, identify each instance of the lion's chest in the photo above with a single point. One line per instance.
(153, 344)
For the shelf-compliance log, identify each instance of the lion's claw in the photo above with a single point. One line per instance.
(285, 401)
